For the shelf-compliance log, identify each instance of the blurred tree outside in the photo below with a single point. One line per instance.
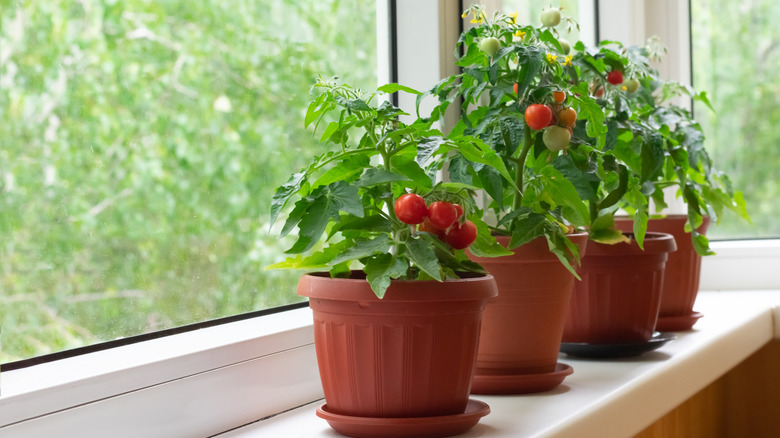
(140, 143)
(736, 60)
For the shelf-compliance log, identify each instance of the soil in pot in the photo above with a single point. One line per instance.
(619, 296)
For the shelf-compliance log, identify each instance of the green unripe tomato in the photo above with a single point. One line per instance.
(565, 46)
(556, 138)
(631, 85)
(490, 46)
(550, 17)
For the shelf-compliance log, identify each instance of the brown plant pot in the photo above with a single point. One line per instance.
(522, 328)
(619, 296)
(683, 270)
(410, 354)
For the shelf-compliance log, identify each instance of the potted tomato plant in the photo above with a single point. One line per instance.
(396, 340)
(662, 142)
(520, 99)
(618, 299)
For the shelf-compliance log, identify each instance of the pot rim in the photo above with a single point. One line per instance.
(475, 286)
(654, 243)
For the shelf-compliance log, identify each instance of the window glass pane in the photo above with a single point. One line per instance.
(736, 55)
(141, 142)
(528, 12)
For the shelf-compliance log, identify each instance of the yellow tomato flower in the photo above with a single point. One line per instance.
(551, 58)
(519, 34)
(464, 15)
(513, 16)
(567, 60)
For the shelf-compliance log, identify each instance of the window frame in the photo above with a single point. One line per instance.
(214, 379)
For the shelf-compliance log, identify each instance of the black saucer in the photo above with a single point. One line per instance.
(604, 351)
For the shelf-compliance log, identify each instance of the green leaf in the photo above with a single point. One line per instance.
(364, 248)
(652, 155)
(532, 63)
(477, 151)
(701, 244)
(345, 170)
(640, 227)
(586, 182)
(371, 223)
(492, 182)
(381, 269)
(527, 229)
(427, 147)
(557, 190)
(486, 245)
(392, 88)
(408, 167)
(354, 104)
(422, 254)
(563, 248)
(317, 260)
(607, 236)
(374, 176)
(283, 193)
(324, 205)
(332, 127)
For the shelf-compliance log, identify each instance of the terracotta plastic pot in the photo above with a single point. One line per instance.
(619, 296)
(522, 328)
(411, 354)
(683, 270)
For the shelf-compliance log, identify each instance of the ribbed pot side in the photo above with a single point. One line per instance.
(522, 327)
(683, 268)
(411, 354)
(619, 296)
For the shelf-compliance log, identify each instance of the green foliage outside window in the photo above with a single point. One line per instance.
(140, 143)
(736, 55)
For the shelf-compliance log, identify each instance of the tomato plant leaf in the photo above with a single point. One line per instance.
(393, 87)
(486, 245)
(363, 248)
(422, 254)
(381, 269)
(374, 176)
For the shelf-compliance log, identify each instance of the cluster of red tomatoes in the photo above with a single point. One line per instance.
(441, 219)
(557, 121)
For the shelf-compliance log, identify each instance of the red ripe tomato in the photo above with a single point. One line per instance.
(428, 227)
(538, 116)
(567, 116)
(460, 210)
(615, 77)
(460, 236)
(443, 214)
(559, 96)
(410, 208)
(515, 87)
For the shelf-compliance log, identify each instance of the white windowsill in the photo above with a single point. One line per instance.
(605, 398)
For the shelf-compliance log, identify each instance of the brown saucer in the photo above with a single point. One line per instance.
(412, 427)
(520, 383)
(677, 323)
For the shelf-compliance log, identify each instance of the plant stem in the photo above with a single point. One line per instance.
(527, 143)
(594, 211)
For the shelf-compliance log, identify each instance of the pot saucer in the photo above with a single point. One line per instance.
(413, 427)
(520, 383)
(625, 349)
(677, 323)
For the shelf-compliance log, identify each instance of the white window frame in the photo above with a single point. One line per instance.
(208, 381)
